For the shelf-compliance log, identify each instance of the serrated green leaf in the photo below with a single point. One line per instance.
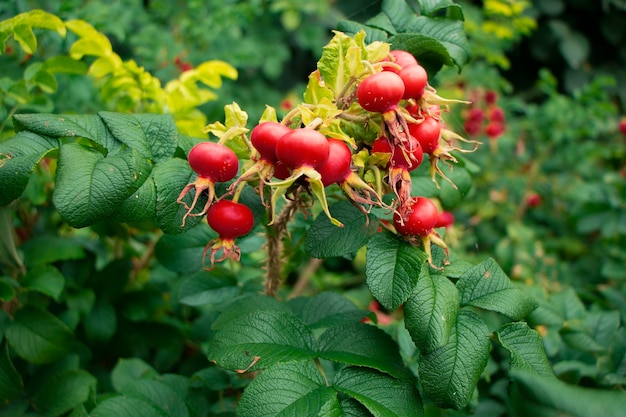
(38, 336)
(127, 371)
(538, 396)
(434, 8)
(326, 309)
(208, 288)
(140, 206)
(11, 383)
(248, 303)
(45, 279)
(259, 339)
(90, 187)
(449, 195)
(287, 389)
(372, 33)
(154, 135)
(183, 252)
(487, 286)
(362, 345)
(126, 407)
(325, 240)
(525, 347)
(449, 374)
(170, 178)
(65, 391)
(392, 269)
(158, 394)
(431, 310)
(381, 394)
(89, 126)
(18, 158)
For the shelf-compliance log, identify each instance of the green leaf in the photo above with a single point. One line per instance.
(18, 158)
(362, 345)
(88, 126)
(140, 206)
(44, 249)
(486, 286)
(126, 407)
(325, 240)
(64, 65)
(526, 348)
(430, 312)
(183, 252)
(154, 135)
(341, 62)
(537, 396)
(101, 323)
(170, 178)
(326, 309)
(449, 374)
(91, 187)
(8, 287)
(248, 303)
(208, 288)
(45, 279)
(287, 389)
(392, 269)
(259, 339)
(11, 383)
(65, 391)
(19, 24)
(127, 371)
(158, 394)
(380, 393)
(38, 336)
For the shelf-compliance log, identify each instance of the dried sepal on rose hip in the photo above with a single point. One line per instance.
(230, 219)
(214, 163)
(418, 224)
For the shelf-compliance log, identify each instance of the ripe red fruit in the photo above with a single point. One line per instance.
(410, 160)
(230, 220)
(427, 133)
(491, 97)
(494, 129)
(415, 80)
(380, 92)
(214, 161)
(264, 138)
(337, 166)
(533, 200)
(622, 126)
(302, 148)
(421, 218)
(476, 113)
(496, 114)
(402, 58)
(445, 219)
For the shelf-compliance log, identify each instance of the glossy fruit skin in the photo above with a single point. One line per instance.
(445, 219)
(421, 219)
(427, 133)
(415, 81)
(399, 159)
(402, 58)
(380, 92)
(230, 219)
(214, 161)
(264, 138)
(337, 166)
(302, 148)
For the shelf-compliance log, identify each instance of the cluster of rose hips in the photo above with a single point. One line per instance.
(485, 116)
(294, 160)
